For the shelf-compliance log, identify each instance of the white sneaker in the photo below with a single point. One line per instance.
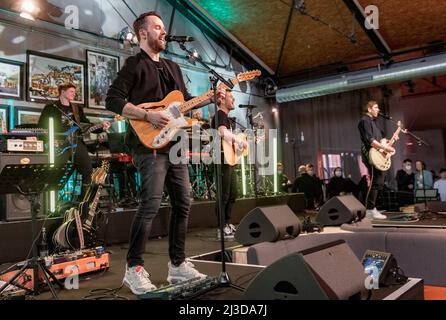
(138, 281)
(375, 215)
(185, 271)
(228, 233)
(233, 228)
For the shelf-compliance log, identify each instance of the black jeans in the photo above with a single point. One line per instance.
(229, 191)
(377, 178)
(155, 170)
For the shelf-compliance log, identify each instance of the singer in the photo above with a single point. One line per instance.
(146, 77)
(371, 134)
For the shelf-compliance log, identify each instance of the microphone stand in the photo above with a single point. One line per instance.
(223, 279)
(251, 123)
(406, 131)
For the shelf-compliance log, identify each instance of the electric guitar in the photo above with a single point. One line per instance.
(381, 159)
(78, 229)
(234, 151)
(174, 107)
(63, 145)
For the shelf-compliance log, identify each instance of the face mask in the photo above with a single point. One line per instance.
(311, 172)
(338, 173)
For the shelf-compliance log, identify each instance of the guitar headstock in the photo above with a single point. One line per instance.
(99, 174)
(245, 76)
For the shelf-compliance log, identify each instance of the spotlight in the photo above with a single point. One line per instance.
(29, 10)
(126, 35)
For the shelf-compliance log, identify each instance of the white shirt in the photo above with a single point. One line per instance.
(441, 186)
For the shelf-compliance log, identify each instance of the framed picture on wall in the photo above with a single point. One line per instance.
(46, 72)
(26, 116)
(4, 115)
(11, 79)
(102, 69)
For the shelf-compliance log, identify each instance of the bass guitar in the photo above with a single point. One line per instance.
(174, 107)
(65, 144)
(79, 228)
(381, 159)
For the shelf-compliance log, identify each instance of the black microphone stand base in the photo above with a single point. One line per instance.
(35, 263)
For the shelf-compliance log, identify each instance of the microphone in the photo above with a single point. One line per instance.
(385, 116)
(247, 106)
(170, 38)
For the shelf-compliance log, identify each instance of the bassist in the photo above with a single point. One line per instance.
(66, 116)
(371, 133)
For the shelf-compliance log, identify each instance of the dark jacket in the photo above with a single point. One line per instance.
(369, 130)
(139, 81)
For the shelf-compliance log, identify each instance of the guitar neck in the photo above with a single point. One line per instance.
(94, 205)
(205, 96)
(196, 101)
(397, 132)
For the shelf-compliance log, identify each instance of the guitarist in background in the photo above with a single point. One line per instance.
(66, 115)
(146, 77)
(371, 134)
(225, 103)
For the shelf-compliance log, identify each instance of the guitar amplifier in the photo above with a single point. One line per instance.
(15, 206)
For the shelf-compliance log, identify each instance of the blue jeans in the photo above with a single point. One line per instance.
(155, 170)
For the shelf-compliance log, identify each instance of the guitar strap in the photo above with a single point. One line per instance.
(76, 112)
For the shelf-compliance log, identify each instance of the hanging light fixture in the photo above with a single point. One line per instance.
(29, 10)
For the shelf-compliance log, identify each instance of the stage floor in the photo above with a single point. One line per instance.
(198, 241)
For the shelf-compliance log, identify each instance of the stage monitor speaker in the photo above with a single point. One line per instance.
(15, 206)
(267, 224)
(339, 210)
(330, 271)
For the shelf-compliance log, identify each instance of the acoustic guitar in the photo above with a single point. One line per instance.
(234, 151)
(174, 107)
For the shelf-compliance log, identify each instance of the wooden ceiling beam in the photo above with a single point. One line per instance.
(373, 34)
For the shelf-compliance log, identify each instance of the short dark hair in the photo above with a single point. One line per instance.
(140, 22)
(442, 170)
(407, 160)
(368, 105)
(65, 86)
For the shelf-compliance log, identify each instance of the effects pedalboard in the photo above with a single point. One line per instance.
(186, 290)
(64, 265)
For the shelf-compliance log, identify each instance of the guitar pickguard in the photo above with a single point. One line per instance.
(175, 123)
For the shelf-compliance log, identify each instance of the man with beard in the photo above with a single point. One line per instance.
(146, 77)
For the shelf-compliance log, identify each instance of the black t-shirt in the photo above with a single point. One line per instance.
(63, 117)
(223, 120)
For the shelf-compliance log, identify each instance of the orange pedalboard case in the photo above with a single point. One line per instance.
(64, 266)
